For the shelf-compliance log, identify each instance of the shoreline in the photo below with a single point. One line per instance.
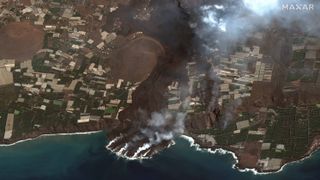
(50, 135)
(125, 157)
(104, 125)
(219, 151)
(222, 151)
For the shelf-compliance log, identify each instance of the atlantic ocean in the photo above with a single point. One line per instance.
(84, 157)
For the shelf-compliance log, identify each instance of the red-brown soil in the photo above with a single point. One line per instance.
(20, 41)
(26, 2)
(136, 60)
(249, 156)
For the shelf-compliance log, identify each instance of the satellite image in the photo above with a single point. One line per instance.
(159, 89)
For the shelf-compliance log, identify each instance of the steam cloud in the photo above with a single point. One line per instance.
(215, 92)
(262, 7)
(160, 126)
(230, 111)
(222, 25)
(230, 22)
(234, 21)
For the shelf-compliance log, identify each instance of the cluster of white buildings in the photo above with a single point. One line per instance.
(237, 78)
(9, 126)
(6, 76)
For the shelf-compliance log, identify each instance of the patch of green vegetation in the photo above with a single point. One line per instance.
(294, 76)
(299, 55)
(58, 103)
(254, 137)
(121, 94)
(2, 123)
(55, 10)
(56, 44)
(231, 138)
(16, 112)
(111, 110)
(58, 1)
(8, 94)
(38, 64)
(23, 123)
(306, 79)
(314, 121)
(199, 108)
(46, 40)
(298, 40)
(289, 129)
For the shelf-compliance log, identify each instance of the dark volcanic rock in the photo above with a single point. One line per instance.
(169, 25)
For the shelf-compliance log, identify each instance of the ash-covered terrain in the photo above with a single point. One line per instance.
(199, 33)
(147, 125)
(241, 75)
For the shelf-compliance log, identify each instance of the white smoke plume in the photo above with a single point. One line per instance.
(262, 7)
(164, 125)
(142, 148)
(157, 130)
(215, 91)
(230, 112)
(234, 21)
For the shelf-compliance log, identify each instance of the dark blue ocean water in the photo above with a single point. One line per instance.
(85, 157)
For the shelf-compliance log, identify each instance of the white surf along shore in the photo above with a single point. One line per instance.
(135, 157)
(234, 165)
(219, 151)
(188, 138)
(48, 135)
